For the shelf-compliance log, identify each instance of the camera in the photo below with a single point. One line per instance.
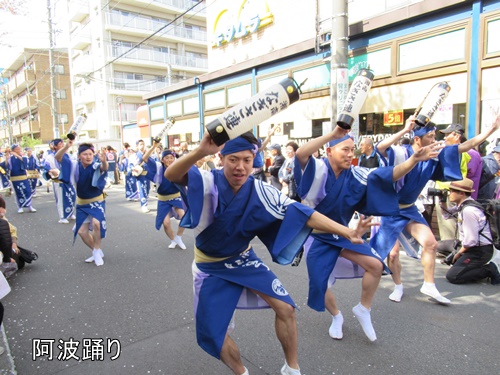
(442, 194)
(449, 258)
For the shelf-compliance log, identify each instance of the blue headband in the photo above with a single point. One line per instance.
(167, 152)
(340, 140)
(84, 148)
(420, 131)
(238, 144)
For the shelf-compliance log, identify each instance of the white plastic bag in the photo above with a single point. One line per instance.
(4, 286)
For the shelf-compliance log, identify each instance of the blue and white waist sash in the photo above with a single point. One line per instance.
(221, 287)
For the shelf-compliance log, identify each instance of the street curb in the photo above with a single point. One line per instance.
(7, 365)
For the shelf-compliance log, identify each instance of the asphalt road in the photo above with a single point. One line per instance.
(141, 300)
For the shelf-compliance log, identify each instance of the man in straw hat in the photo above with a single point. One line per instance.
(335, 188)
(471, 261)
(446, 167)
(227, 208)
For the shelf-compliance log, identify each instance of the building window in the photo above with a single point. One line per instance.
(492, 42)
(174, 108)
(377, 61)
(156, 113)
(191, 105)
(63, 118)
(215, 99)
(61, 94)
(59, 69)
(238, 94)
(317, 77)
(434, 50)
(268, 82)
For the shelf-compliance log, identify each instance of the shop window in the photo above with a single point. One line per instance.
(156, 113)
(215, 99)
(174, 108)
(238, 94)
(378, 61)
(317, 77)
(492, 42)
(190, 105)
(436, 49)
(268, 82)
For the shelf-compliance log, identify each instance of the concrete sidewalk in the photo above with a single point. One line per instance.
(7, 365)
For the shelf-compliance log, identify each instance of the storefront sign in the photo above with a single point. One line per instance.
(392, 118)
(246, 19)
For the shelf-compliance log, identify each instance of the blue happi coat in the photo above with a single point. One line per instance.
(156, 174)
(90, 182)
(366, 190)
(446, 167)
(20, 182)
(224, 223)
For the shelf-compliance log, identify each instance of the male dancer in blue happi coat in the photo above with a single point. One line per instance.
(89, 175)
(227, 208)
(169, 197)
(337, 189)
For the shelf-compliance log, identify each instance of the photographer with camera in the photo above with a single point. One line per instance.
(470, 262)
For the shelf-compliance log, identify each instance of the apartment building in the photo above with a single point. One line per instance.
(27, 109)
(121, 50)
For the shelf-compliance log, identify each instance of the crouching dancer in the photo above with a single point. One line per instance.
(227, 208)
(88, 174)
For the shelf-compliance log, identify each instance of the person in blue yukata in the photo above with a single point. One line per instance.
(169, 196)
(88, 173)
(227, 208)
(19, 180)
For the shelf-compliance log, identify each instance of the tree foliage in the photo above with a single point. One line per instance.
(29, 142)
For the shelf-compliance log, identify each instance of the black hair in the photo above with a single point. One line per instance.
(250, 138)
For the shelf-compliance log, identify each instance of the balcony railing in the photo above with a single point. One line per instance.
(134, 22)
(182, 4)
(126, 117)
(145, 86)
(159, 57)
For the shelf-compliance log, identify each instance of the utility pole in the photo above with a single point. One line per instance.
(339, 77)
(6, 110)
(55, 124)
